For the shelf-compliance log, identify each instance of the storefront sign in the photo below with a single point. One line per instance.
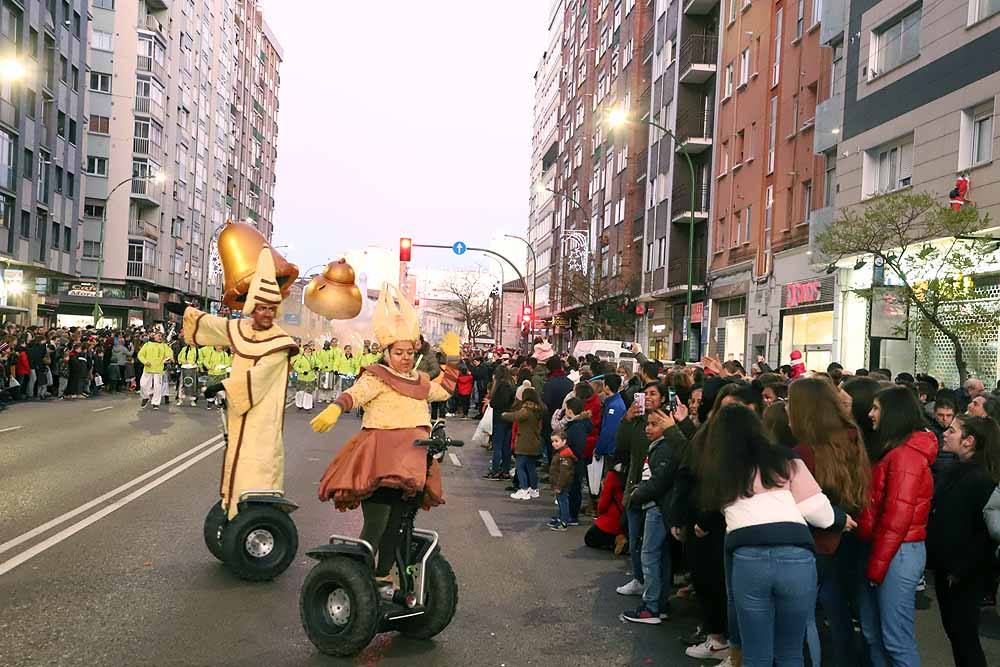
(84, 289)
(13, 275)
(560, 321)
(697, 311)
(798, 294)
(659, 328)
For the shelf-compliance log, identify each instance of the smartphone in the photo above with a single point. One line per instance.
(626, 346)
(671, 400)
(640, 401)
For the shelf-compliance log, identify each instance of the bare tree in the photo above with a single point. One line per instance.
(929, 251)
(470, 302)
(606, 304)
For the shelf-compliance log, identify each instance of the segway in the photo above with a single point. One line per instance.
(339, 605)
(261, 540)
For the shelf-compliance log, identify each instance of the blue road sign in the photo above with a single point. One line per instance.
(459, 248)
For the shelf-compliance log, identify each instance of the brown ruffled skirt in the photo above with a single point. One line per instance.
(377, 458)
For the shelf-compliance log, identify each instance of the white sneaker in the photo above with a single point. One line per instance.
(633, 587)
(709, 649)
(534, 493)
(520, 494)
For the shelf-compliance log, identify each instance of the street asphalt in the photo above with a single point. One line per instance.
(127, 580)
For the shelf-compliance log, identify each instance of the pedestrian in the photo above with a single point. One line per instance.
(153, 355)
(893, 526)
(829, 444)
(578, 427)
(959, 549)
(305, 378)
(22, 369)
(464, 390)
(527, 415)
(769, 500)
(862, 390)
(606, 532)
(776, 424)
(501, 400)
(561, 476)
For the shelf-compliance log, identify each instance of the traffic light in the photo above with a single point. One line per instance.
(405, 246)
(526, 315)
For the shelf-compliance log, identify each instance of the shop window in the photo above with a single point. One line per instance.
(811, 334)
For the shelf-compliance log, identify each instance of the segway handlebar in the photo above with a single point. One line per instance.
(439, 443)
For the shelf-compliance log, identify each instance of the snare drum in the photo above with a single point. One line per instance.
(327, 380)
(189, 379)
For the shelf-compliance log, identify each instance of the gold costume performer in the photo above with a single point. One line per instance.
(255, 389)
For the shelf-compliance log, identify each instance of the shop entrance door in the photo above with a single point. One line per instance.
(818, 357)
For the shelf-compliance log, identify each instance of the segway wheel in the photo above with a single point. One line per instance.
(441, 601)
(259, 543)
(339, 606)
(215, 523)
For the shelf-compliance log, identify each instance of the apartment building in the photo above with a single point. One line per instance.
(600, 174)
(544, 153)
(683, 53)
(156, 155)
(253, 145)
(42, 46)
(911, 104)
(768, 182)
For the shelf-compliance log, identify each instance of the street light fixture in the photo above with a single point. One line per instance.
(12, 69)
(618, 117)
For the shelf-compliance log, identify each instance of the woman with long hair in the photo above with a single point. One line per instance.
(894, 526)
(830, 445)
(958, 543)
(769, 500)
(862, 391)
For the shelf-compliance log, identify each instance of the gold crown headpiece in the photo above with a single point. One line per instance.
(393, 322)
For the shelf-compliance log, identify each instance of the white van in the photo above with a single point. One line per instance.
(611, 351)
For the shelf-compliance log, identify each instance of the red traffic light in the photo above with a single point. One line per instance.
(405, 246)
(526, 314)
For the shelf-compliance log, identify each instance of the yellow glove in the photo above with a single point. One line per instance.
(451, 345)
(326, 420)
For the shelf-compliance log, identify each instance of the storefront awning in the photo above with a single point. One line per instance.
(12, 310)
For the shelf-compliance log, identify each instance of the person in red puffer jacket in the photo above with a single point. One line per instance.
(606, 531)
(463, 389)
(894, 524)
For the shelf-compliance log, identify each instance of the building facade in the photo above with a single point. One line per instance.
(253, 147)
(683, 54)
(42, 122)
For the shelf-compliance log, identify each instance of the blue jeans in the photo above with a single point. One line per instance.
(887, 610)
(835, 590)
(636, 521)
(774, 589)
(576, 489)
(731, 620)
(656, 572)
(563, 499)
(501, 446)
(527, 472)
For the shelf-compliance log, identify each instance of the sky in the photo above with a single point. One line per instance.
(400, 118)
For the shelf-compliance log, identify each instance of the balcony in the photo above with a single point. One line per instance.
(152, 25)
(695, 127)
(699, 7)
(680, 202)
(832, 19)
(819, 221)
(677, 272)
(697, 58)
(829, 118)
(140, 270)
(142, 146)
(145, 192)
(143, 228)
(158, 5)
(148, 65)
(149, 107)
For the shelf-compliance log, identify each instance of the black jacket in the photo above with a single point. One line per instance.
(501, 399)
(629, 391)
(957, 538)
(577, 431)
(665, 457)
(554, 392)
(36, 351)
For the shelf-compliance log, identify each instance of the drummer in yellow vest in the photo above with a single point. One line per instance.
(305, 380)
(188, 360)
(325, 360)
(215, 362)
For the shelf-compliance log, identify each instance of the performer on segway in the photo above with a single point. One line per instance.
(380, 469)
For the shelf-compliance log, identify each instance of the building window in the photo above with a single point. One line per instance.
(734, 237)
(25, 224)
(729, 81)
(772, 134)
(807, 200)
(93, 209)
(817, 11)
(28, 165)
(70, 184)
(103, 4)
(888, 167)
(56, 228)
(72, 132)
(745, 66)
(102, 41)
(837, 68)
(100, 82)
(99, 125)
(800, 19)
(720, 235)
(661, 252)
(768, 213)
(896, 43)
(830, 179)
(91, 250)
(732, 12)
(976, 136)
(97, 166)
(649, 257)
(776, 72)
(747, 222)
(724, 162)
(607, 215)
(981, 9)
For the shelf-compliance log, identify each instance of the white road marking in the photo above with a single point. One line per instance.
(10, 428)
(100, 499)
(454, 460)
(491, 527)
(97, 516)
(103, 409)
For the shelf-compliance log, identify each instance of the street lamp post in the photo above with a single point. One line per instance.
(157, 178)
(618, 118)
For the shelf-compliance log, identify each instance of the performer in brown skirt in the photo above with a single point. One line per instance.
(380, 468)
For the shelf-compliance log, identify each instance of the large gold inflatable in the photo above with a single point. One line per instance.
(239, 247)
(333, 294)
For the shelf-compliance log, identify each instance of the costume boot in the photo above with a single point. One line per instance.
(299, 398)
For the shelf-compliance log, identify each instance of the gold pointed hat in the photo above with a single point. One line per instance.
(393, 322)
(264, 288)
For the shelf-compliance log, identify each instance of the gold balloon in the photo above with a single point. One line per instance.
(333, 294)
(239, 246)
